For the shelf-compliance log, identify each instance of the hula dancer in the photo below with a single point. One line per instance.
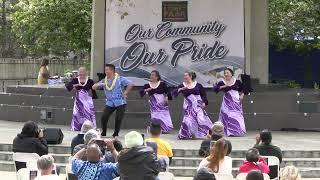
(116, 89)
(158, 100)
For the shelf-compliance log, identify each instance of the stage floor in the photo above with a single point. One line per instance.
(303, 141)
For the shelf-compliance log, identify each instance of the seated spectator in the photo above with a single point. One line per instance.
(108, 156)
(79, 139)
(290, 173)
(204, 174)
(93, 168)
(266, 148)
(217, 161)
(255, 175)
(91, 134)
(46, 167)
(215, 134)
(137, 161)
(164, 149)
(254, 162)
(30, 140)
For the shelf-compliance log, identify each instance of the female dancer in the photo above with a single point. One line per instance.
(231, 114)
(195, 123)
(159, 109)
(43, 75)
(83, 109)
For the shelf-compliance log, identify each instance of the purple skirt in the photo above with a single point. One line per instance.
(231, 114)
(196, 123)
(160, 114)
(83, 110)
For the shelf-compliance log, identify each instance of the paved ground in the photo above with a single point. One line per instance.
(285, 140)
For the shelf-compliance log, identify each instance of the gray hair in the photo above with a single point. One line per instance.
(86, 126)
(45, 162)
(91, 134)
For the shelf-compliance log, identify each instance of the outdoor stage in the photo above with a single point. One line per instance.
(300, 148)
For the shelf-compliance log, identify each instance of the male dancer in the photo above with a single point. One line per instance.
(115, 89)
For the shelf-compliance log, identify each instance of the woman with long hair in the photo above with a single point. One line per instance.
(218, 161)
(196, 123)
(44, 74)
(158, 100)
(231, 114)
(83, 109)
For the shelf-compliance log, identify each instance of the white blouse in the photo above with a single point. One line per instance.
(225, 166)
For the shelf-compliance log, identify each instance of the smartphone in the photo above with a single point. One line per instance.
(33, 175)
(100, 143)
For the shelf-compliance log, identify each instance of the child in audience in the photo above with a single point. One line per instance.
(46, 166)
(254, 162)
(255, 175)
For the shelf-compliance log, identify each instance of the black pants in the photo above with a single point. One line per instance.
(106, 115)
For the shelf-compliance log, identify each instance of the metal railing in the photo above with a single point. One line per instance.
(4, 83)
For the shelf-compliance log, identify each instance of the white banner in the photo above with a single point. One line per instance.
(137, 41)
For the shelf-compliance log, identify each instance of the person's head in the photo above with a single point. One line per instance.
(155, 76)
(93, 153)
(82, 72)
(189, 76)
(228, 73)
(252, 155)
(290, 173)
(217, 153)
(155, 130)
(45, 164)
(133, 139)
(91, 134)
(204, 174)
(117, 145)
(30, 129)
(266, 137)
(109, 70)
(229, 147)
(255, 175)
(44, 62)
(217, 128)
(86, 126)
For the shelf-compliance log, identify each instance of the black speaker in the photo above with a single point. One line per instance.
(246, 80)
(53, 135)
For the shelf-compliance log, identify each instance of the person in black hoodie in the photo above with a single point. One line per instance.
(138, 161)
(30, 140)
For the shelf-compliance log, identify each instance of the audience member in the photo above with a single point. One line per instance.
(30, 140)
(163, 147)
(137, 161)
(254, 162)
(217, 160)
(216, 133)
(290, 173)
(88, 136)
(93, 168)
(46, 167)
(108, 156)
(204, 174)
(255, 175)
(266, 148)
(79, 139)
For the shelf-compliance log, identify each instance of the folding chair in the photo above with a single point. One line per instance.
(30, 159)
(273, 161)
(223, 176)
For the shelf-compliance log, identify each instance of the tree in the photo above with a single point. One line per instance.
(53, 26)
(295, 25)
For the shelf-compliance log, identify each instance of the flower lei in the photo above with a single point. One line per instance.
(113, 82)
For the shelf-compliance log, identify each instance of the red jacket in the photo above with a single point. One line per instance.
(260, 165)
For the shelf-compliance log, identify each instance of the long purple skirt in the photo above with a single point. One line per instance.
(231, 114)
(159, 111)
(196, 123)
(83, 110)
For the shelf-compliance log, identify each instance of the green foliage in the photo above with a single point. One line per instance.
(293, 84)
(53, 26)
(291, 22)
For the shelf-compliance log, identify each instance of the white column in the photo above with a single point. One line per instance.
(247, 34)
(97, 38)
